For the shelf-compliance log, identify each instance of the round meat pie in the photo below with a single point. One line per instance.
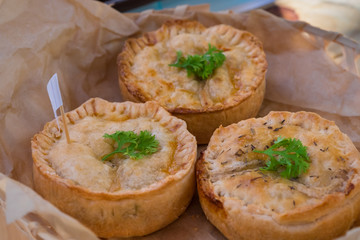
(117, 195)
(233, 92)
(246, 200)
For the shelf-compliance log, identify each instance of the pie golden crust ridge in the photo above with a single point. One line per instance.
(234, 92)
(122, 197)
(244, 202)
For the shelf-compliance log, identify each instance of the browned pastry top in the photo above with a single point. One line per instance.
(145, 71)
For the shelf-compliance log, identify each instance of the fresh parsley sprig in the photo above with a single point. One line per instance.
(202, 66)
(288, 155)
(136, 146)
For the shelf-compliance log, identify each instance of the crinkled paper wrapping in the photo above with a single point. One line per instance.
(80, 40)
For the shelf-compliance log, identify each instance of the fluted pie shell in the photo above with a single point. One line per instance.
(245, 202)
(234, 92)
(122, 197)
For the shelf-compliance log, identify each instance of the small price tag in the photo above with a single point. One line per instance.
(54, 95)
(56, 102)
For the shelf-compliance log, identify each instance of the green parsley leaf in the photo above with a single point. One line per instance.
(202, 66)
(287, 155)
(136, 146)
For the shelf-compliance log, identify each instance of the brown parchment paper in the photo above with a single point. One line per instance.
(80, 39)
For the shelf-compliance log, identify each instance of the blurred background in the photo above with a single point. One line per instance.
(215, 5)
(341, 16)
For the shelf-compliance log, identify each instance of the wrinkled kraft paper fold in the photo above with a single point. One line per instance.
(80, 40)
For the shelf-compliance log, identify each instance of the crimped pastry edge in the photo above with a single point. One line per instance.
(104, 212)
(239, 223)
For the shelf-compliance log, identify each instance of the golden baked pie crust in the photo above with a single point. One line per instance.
(248, 87)
(123, 213)
(242, 201)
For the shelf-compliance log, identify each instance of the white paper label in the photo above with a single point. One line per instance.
(54, 94)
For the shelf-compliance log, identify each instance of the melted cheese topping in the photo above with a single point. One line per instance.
(81, 162)
(173, 88)
(234, 168)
